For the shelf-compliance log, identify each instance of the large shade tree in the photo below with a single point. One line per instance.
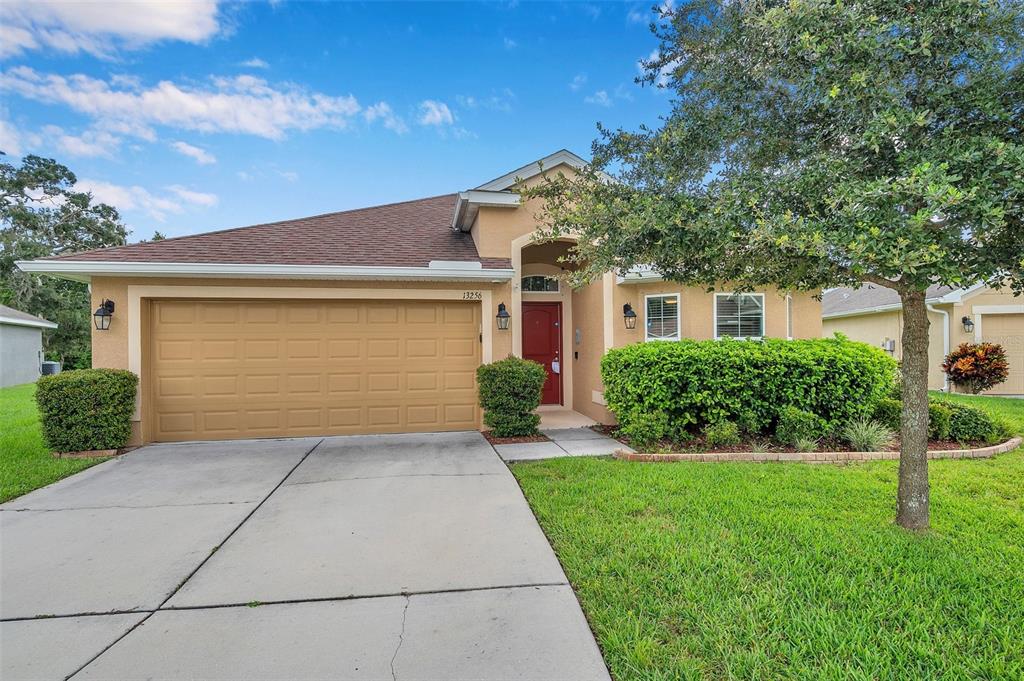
(814, 144)
(41, 214)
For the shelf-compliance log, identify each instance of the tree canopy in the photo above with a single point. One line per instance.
(42, 215)
(814, 144)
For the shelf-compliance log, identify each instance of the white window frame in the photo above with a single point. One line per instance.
(679, 316)
(558, 284)
(764, 315)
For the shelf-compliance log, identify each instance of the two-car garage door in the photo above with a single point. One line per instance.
(264, 368)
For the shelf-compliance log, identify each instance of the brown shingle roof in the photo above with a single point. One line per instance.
(867, 297)
(407, 234)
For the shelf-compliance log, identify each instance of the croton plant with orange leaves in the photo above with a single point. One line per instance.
(975, 367)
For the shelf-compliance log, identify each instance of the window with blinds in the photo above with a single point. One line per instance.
(739, 315)
(663, 317)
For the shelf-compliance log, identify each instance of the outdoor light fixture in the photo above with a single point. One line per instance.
(968, 324)
(503, 317)
(102, 315)
(629, 316)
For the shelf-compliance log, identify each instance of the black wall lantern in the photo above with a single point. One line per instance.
(503, 317)
(629, 316)
(101, 317)
(968, 324)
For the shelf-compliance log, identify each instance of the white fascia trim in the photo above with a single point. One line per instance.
(469, 203)
(638, 275)
(959, 294)
(533, 169)
(942, 300)
(14, 321)
(444, 272)
(998, 309)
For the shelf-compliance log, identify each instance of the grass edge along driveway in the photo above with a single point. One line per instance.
(745, 570)
(25, 461)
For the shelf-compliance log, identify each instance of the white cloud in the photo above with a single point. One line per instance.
(200, 155)
(435, 113)
(196, 198)
(510, 44)
(254, 63)
(382, 111)
(637, 15)
(129, 198)
(72, 27)
(10, 139)
(664, 73)
(600, 98)
(578, 81)
(90, 143)
(500, 100)
(242, 104)
(289, 175)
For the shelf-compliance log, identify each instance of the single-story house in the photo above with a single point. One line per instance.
(375, 320)
(21, 346)
(973, 314)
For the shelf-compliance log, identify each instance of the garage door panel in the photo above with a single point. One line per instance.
(1007, 330)
(291, 368)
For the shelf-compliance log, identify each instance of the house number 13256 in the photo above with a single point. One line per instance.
(472, 295)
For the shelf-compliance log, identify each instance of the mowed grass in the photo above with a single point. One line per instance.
(25, 462)
(791, 571)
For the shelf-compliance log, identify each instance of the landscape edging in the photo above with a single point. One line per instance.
(817, 457)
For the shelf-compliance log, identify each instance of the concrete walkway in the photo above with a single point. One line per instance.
(562, 442)
(375, 557)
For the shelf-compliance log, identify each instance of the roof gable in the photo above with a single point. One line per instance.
(562, 156)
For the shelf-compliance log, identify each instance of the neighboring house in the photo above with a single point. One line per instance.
(963, 315)
(375, 320)
(21, 346)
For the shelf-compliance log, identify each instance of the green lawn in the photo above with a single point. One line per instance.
(25, 462)
(763, 571)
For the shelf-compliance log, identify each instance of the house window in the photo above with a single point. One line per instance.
(538, 283)
(663, 317)
(739, 315)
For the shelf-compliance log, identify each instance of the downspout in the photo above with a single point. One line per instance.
(945, 341)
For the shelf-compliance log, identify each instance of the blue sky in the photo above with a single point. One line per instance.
(201, 116)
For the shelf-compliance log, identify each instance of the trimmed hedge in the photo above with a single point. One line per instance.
(700, 382)
(510, 390)
(796, 425)
(970, 424)
(87, 409)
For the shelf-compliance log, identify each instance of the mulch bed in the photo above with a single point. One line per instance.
(698, 445)
(514, 440)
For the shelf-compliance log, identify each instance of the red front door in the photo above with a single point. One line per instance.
(542, 342)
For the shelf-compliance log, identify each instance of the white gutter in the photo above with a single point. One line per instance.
(945, 341)
(437, 271)
(469, 203)
(16, 321)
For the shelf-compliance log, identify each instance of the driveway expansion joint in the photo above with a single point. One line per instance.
(385, 477)
(203, 562)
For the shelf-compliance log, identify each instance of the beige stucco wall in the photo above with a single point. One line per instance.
(878, 327)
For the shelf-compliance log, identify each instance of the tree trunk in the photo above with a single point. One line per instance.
(912, 497)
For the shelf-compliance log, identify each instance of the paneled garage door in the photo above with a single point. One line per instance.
(1005, 329)
(237, 369)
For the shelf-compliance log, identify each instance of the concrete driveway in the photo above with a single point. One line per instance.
(372, 557)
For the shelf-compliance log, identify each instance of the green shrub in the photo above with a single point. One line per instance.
(865, 435)
(510, 390)
(644, 431)
(939, 417)
(701, 382)
(970, 424)
(748, 423)
(86, 409)
(796, 424)
(889, 412)
(722, 434)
